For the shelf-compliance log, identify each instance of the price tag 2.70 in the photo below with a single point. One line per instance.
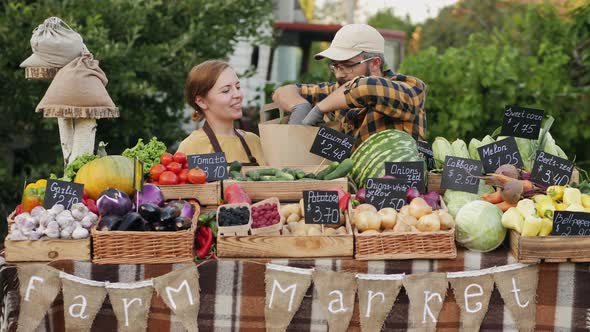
(321, 207)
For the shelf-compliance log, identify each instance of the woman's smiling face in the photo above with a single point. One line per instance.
(224, 100)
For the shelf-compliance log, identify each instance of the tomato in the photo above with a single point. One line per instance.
(180, 158)
(156, 171)
(174, 167)
(185, 165)
(183, 176)
(197, 176)
(168, 178)
(166, 159)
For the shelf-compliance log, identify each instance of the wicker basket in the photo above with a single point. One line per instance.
(114, 247)
(411, 245)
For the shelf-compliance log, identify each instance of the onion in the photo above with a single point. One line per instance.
(433, 199)
(360, 195)
(412, 193)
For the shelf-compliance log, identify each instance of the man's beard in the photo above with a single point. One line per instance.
(367, 73)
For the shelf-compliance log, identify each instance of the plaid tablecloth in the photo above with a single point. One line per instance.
(232, 294)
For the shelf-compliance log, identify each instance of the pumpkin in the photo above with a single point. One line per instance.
(106, 172)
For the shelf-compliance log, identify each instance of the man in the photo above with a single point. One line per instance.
(366, 99)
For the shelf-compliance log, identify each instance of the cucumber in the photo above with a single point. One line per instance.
(236, 176)
(340, 171)
(236, 166)
(299, 174)
(327, 170)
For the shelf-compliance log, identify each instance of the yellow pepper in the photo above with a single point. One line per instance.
(546, 227)
(532, 226)
(575, 208)
(526, 207)
(556, 192)
(572, 196)
(560, 207)
(33, 195)
(512, 219)
(539, 198)
(545, 209)
(586, 200)
(41, 183)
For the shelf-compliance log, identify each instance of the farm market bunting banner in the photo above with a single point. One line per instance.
(285, 289)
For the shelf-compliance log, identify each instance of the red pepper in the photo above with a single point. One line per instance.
(90, 204)
(205, 239)
(343, 198)
(235, 194)
(19, 209)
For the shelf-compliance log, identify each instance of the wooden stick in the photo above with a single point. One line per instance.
(320, 165)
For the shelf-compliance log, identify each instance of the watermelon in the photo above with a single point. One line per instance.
(386, 146)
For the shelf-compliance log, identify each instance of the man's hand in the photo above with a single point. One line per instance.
(314, 118)
(288, 97)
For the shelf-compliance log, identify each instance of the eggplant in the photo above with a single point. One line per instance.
(132, 222)
(182, 223)
(168, 214)
(113, 202)
(150, 212)
(109, 223)
(186, 209)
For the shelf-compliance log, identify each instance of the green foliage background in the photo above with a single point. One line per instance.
(146, 48)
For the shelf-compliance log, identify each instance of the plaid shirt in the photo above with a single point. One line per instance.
(377, 103)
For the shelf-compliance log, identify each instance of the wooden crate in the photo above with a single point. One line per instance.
(285, 190)
(288, 246)
(550, 249)
(207, 194)
(434, 182)
(45, 250)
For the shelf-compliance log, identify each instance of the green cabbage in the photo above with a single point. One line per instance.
(460, 149)
(440, 149)
(479, 226)
(473, 145)
(455, 200)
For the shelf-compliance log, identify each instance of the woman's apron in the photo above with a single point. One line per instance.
(217, 148)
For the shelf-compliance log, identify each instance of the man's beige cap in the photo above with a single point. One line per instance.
(351, 40)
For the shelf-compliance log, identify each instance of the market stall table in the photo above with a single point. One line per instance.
(232, 294)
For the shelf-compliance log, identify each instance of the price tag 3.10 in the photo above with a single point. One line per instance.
(321, 207)
(213, 164)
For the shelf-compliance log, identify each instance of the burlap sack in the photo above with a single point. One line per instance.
(181, 293)
(427, 292)
(376, 298)
(82, 301)
(131, 304)
(472, 294)
(54, 44)
(39, 285)
(518, 289)
(285, 288)
(336, 291)
(78, 91)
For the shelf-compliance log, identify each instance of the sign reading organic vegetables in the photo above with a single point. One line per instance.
(551, 170)
(500, 153)
(321, 207)
(569, 223)
(382, 193)
(332, 144)
(213, 164)
(62, 192)
(461, 174)
(425, 149)
(522, 122)
(410, 172)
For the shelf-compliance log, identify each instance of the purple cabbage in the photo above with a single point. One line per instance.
(113, 202)
(150, 194)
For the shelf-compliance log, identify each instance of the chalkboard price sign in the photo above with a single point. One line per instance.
(461, 174)
(551, 170)
(62, 192)
(382, 193)
(213, 164)
(411, 172)
(500, 153)
(425, 149)
(522, 122)
(568, 223)
(321, 207)
(332, 145)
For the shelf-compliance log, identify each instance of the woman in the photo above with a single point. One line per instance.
(213, 91)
